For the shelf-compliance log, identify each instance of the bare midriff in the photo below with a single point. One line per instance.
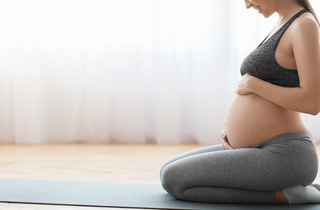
(252, 120)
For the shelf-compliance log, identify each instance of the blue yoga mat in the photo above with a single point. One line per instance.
(112, 195)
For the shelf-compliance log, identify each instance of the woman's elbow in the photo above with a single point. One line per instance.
(314, 109)
(314, 113)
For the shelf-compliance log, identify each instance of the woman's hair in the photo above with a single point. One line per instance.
(306, 4)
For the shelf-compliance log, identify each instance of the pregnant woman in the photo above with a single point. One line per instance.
(267, 154)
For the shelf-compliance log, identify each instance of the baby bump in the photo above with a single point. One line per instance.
(252, 120)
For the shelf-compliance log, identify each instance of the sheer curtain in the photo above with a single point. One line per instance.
(129, 71)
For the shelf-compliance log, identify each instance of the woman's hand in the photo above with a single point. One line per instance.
(243, 87)
(225, 141)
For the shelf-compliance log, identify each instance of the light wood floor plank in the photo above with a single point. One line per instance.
(115, 163)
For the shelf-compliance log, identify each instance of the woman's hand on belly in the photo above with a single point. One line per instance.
(243, 87)
(225, 141)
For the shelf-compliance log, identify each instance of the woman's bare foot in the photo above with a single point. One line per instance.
(280, 198)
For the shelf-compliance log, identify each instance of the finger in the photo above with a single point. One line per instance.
(224, 136)
(227, 145)
(231, 147)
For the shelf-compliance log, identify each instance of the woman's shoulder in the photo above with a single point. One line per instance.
(305, 30)
(306, 23)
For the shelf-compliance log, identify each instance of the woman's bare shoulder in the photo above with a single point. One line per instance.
(306, 24)
(305, 32)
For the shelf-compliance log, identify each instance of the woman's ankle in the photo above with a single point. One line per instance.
(280, 198)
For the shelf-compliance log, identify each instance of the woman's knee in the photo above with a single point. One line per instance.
(172, 181)
(163, 167)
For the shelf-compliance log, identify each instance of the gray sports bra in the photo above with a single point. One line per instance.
(262, 63)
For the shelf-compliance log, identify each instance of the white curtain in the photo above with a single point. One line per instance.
(129, 71)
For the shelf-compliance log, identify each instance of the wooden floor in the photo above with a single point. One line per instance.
(116, 163)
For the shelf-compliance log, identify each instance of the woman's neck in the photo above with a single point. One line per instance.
(286, 9)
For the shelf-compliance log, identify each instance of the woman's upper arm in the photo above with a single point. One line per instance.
(306, 49)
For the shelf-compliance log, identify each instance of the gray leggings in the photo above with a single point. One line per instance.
(249, 175)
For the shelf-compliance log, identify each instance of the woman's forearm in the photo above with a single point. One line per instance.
(296, 99)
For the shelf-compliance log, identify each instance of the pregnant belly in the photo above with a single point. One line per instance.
(252, 120)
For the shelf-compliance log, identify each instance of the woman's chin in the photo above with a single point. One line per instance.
(266, 15)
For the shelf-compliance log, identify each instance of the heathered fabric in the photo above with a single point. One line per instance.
(262, 63)
(247, 175)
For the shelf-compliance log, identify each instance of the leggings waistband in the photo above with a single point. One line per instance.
(301, 135)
